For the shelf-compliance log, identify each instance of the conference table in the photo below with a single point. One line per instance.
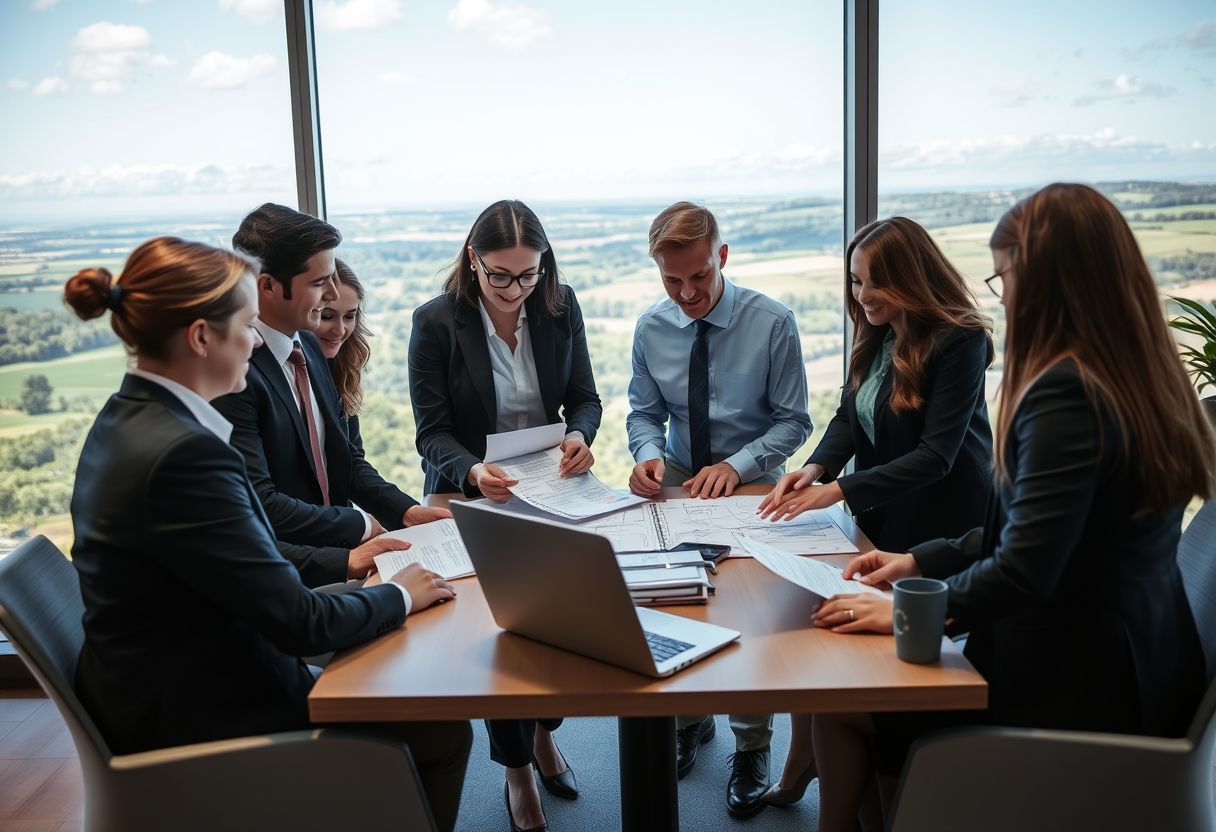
(452, 662)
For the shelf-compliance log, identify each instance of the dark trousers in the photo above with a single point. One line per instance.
(441, 753)
(511, 739)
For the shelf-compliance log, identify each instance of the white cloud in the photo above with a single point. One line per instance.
(221, 71)
(106, 87)
(508, 26)
(111, 37)
(358, 14)
(17, 84)
(144, 180)
(51, 86)
(1201, 36)
(394, 78)
(259, 11)
(42, 5)
(1127, 88)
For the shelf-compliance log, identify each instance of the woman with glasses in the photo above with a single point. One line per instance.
(1070, 588)
(503, 348)
(912, 416)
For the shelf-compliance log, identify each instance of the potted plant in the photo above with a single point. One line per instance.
(1198, 320)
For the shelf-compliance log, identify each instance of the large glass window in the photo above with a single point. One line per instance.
(123, 122)
(598, 116)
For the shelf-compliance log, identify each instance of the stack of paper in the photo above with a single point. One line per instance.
(437, 546)
(661, 578)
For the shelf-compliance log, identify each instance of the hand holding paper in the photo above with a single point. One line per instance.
(815, 576)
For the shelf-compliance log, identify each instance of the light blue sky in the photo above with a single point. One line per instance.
(171, 107)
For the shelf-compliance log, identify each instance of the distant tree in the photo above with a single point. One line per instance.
(36, 394)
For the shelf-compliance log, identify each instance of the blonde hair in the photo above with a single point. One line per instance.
(683, 224)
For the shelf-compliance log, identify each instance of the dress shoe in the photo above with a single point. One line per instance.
(748, 782)
(563, 784)
(777, 796)
(515, 827)
(688, 740)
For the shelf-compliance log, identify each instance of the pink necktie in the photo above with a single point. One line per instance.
(300, 366)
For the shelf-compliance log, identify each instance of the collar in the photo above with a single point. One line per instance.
(199, 407)
(720, 315)
(489, 324)
(279, 344)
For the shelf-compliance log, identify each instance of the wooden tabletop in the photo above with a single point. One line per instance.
(452, 662)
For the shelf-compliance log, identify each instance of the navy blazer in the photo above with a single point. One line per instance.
(1077, 612)
(452, 384)
(270, 431)
(193, 620)
(928, 472)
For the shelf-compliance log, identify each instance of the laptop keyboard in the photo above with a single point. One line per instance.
(664, 648)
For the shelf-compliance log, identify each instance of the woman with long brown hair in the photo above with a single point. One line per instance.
(912, 415)
(343, 336)
(1070, 590)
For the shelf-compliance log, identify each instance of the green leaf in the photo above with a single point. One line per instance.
(1200, 313)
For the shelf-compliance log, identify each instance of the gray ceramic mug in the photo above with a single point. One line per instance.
(919, 619)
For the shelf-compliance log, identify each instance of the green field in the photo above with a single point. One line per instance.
(96, 374)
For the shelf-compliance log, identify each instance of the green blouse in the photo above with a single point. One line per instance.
(867, 393)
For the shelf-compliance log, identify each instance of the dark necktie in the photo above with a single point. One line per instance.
(698, 398)
(300, 366)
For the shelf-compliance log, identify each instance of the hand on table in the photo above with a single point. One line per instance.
(424, 586)
(492, 481)
(787, 487)
(713, 481)
(576, 457)
(863, 613)
(881, 569)
(417, 515)
(647, 478)
(362, 559)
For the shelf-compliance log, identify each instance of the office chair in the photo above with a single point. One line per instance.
(1007, 779)
(298, 780)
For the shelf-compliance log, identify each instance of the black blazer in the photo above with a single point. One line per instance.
(1077, 612)
(192, 618)
(452, 385)
(928, 472)
(270, 431)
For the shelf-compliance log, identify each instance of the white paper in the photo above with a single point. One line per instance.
(437, 546)
(732, 521)
(659, 561)
(574, 498)
(816, 576)
(500, 446)
(631, 530)
(641, 580)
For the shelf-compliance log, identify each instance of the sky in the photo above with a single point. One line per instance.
(145, 107)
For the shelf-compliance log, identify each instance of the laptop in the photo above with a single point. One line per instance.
(562, 586)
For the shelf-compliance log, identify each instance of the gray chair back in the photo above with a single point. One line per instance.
(41, 612)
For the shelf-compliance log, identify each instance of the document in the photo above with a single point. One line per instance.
(818, 577)
(728, 521)
(535, 465)
(437, 546)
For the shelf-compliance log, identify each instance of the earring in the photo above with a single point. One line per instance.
(472, 265)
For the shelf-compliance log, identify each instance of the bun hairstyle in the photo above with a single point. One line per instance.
(166, 284)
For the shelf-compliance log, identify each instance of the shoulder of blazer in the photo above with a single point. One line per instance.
(441, 310)
(958, 337)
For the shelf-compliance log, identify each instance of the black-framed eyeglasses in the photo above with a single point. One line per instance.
(502, 280)
(995, 284)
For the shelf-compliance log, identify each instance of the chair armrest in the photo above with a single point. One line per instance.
(296, 780)
(1003, 779)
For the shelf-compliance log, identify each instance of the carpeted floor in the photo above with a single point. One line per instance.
(590, 746)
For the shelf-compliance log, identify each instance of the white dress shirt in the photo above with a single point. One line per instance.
(516, 389)
(280, 347)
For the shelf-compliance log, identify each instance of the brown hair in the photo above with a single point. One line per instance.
(1080, 289)
(683, 224)
(506, 224)
(166, 284)
(347, 366)
(908, 266)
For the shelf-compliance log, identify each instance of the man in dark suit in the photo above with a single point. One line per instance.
(287, 420)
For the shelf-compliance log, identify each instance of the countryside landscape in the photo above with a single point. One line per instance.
(55, 372)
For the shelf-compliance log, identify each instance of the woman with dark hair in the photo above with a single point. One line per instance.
(1070, 589)
(344, 336)
(503, 348)
(193, 620)
(912, 415)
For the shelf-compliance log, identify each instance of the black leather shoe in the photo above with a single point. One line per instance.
(688, 740)
(506, 798)
(563, 784)
(748, 782)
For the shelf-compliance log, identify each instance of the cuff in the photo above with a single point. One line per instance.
(576, 434)
(933, 558)
(367, 525)
(648, 452)
(745, 466)
(409, 602)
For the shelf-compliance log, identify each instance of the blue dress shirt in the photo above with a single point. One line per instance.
(757, 384)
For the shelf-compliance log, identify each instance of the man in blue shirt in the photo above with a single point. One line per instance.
(723, 363)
